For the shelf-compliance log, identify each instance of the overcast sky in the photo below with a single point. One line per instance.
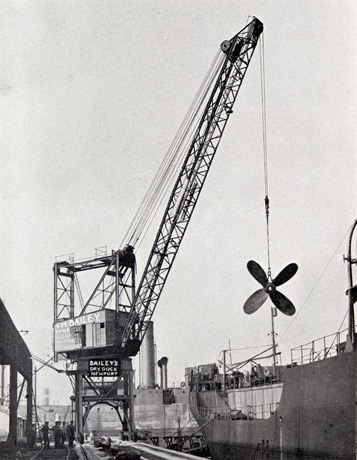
(92, 94)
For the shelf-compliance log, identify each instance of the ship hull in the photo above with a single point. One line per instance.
(315, 418)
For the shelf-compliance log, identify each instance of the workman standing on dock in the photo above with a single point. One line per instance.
(70, 433)
(45, 430)
(63, 434)
(57, 435)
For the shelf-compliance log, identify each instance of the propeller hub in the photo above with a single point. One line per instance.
(270, 287)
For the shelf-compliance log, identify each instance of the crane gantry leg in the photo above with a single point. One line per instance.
(117, 393)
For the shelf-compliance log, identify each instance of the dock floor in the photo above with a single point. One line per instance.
(159, 453)
(146, 451)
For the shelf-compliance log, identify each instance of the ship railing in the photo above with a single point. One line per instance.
(262, 411)
(322, 348)
(208, 412)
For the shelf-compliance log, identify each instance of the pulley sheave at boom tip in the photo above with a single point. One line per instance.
(256, 300)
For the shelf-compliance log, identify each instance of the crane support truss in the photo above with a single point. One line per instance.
(115, 289)
(188, 186)
(116, 392)
(118, 279)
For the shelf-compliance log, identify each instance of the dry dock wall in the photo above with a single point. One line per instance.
(156, 410)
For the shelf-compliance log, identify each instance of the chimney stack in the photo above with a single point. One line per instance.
(163, 366)
(147, 352)
(159, 365)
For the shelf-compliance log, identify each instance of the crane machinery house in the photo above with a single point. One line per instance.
(94, 330)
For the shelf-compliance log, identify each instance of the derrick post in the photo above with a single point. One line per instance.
(117, 281)
(12, 436)
(352, 294)
(29, 414)
(224, 370)
(128, 401)
(78, 395)
(131, 402)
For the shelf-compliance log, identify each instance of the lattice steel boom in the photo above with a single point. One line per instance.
(188, 186)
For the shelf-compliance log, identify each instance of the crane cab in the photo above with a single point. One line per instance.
(89, 333)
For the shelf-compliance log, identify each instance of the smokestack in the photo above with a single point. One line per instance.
(148, 358)
(164, 361)
(161, 374)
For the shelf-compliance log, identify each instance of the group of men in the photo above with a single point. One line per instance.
(61, 433)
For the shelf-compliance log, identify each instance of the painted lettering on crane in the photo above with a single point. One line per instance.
(81, 320)
(103, 368)
(67, 330)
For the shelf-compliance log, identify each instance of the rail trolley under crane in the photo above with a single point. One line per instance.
(100, 335)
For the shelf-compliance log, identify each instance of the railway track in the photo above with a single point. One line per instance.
(85, 454)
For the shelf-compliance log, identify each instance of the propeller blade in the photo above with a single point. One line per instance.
(255, 301)
(285, 274)
(282, 303)
(257, 272)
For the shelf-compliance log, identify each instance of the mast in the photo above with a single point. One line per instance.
(273, 314)
(351, 292)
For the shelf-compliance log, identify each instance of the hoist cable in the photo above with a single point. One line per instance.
(184, 147)
(154, 190)
(170, 162)
(180, 151)
(154, 195)
(265, 146)
(264, 117)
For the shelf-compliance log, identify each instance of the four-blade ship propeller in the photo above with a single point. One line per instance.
(257, 299)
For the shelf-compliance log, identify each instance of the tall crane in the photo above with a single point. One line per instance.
(190, 181)
(133, 308)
